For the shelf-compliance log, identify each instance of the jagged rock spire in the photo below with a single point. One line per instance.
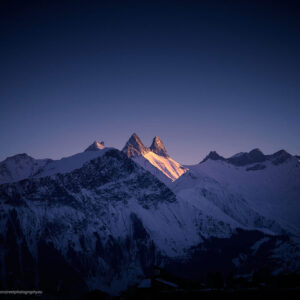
(158, 147)
(95, 146)
(135, 146)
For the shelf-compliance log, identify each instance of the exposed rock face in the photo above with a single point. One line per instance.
(84, 229)
(135, 147)
(155, 159)
(105, 225)
(158, 147)
(98, 220)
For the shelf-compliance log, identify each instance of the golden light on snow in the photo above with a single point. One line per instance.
(166, 165)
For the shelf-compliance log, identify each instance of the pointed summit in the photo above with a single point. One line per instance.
(280, 157)
(256, 155)
(95, 146)
(281, 152)
(135, 146)
(256, 151)
(213, 155)
(158, 147)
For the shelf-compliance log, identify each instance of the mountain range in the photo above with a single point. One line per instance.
(106, 217)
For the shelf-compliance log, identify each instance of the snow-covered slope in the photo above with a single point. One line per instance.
(157, 156)
(68, 164)
(23, 166)
(109, 219)
(145, 164)
(254, 156)
(105, 222)
(168, 166)
(267, 186)
(154, 159)
(20, 166)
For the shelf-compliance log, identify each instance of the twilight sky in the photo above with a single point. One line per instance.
(202, 75)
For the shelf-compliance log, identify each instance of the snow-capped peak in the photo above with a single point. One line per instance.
(19, 167)
(254, 156)
(154, 159)
(213, 155)
(256, 151)
(158, 147)
(95, 146)
(279, 157)
(135, 147)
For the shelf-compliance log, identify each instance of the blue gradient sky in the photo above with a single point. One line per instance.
(215, 75)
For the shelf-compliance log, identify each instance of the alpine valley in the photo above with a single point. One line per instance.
(104, 218)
